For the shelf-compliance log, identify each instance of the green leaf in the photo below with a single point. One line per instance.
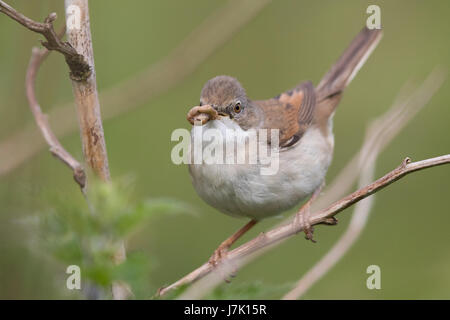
(86, 232)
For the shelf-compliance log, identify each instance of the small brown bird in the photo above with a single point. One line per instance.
(303, 117)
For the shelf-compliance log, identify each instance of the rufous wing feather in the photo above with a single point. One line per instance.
(291, 112)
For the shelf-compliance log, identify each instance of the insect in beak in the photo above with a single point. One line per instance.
(202, 114)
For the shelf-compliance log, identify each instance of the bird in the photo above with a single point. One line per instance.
(303, 118)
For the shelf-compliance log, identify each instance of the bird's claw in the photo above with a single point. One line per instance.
(309, 231)
(217, 257)
(219, 254)
(302, 220)
(331, 221)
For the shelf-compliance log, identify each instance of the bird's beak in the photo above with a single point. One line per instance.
(221, 113)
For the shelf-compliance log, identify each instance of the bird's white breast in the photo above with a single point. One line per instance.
(241, 190)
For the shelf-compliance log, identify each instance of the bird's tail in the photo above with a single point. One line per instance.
(345, 69)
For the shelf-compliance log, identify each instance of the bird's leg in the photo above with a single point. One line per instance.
(222, 250)
(304, 213)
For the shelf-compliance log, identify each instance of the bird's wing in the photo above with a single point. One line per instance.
(291, 112)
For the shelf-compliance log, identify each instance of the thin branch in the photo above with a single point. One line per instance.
(215, 30)
(274, 236)
(79, 68)
(37, 57)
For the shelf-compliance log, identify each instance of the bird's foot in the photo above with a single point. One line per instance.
(309, 232)
(302, 219)
(331, 221)
(218, 257)
(307, 228)
(219, 254)
(303, 216)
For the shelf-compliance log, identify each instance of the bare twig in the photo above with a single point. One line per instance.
(79, 68)
(379, 134)
(273, 236)
(37, 57)
(215, 30)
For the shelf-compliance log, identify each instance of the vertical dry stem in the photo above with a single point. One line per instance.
(85, 92)
(88, 110)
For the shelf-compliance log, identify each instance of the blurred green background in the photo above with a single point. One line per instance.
(288, 42)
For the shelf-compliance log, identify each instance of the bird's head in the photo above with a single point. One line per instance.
(227, 96)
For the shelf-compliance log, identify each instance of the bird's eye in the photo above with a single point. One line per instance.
(237, 107)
